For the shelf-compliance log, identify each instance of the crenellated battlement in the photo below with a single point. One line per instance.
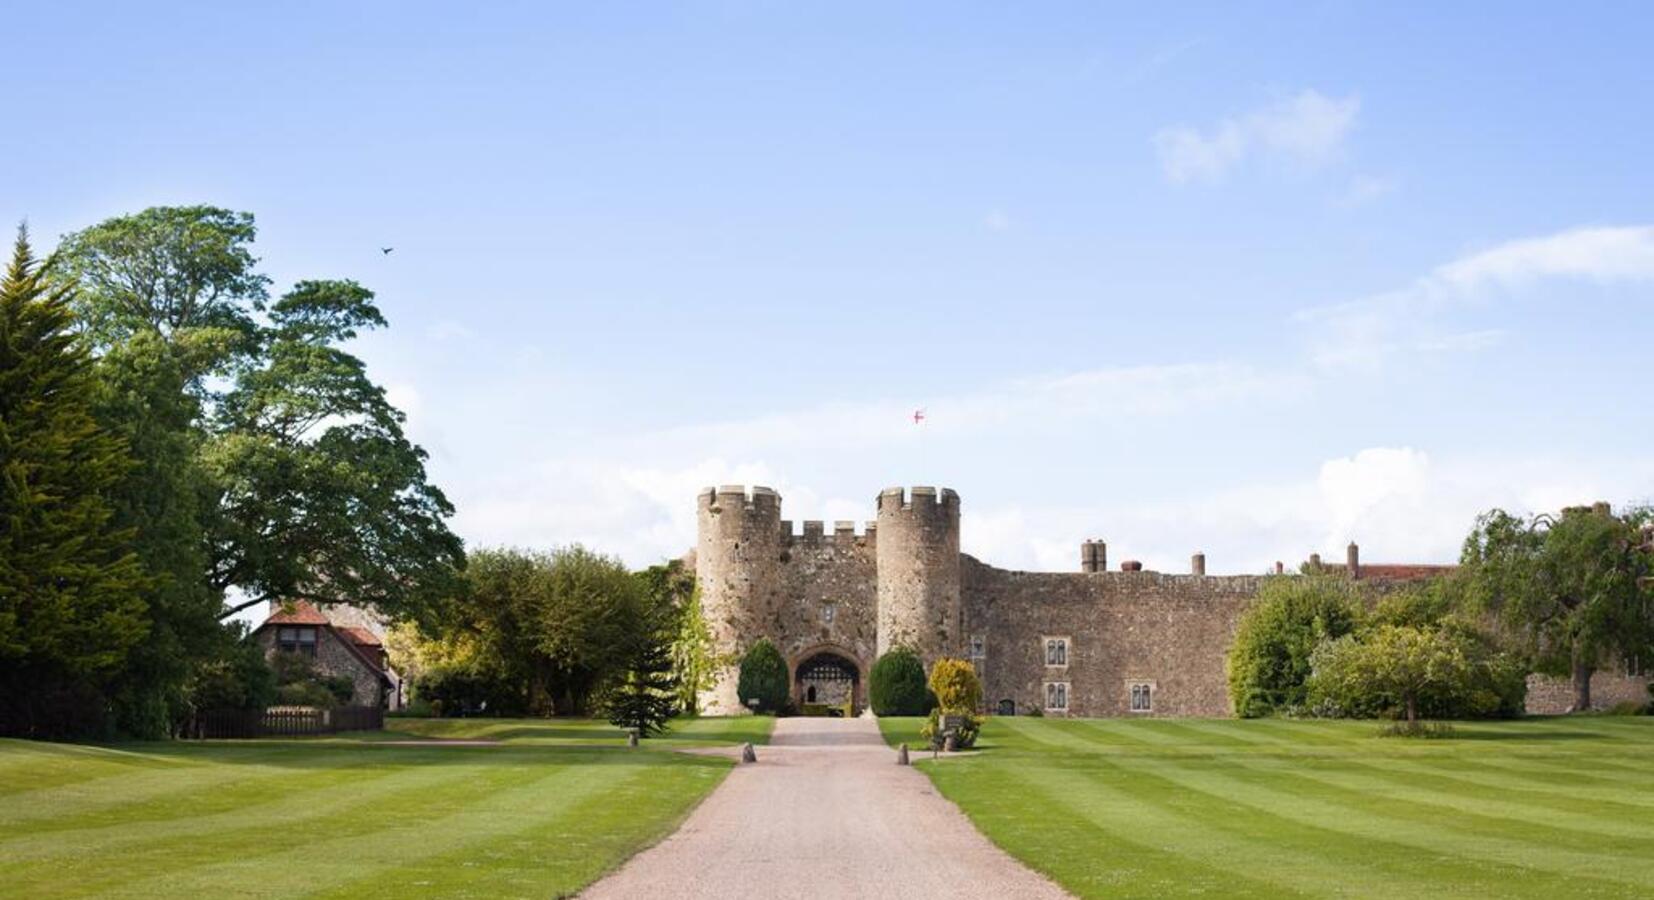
(738, 496)
(814, 531)
(920, 500)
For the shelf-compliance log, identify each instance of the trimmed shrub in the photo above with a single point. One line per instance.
(1269, 662)
(763, 678)
(958, 693)
(955, 685)
(896, 685)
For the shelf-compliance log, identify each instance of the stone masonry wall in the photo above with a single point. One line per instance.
(1551, 696)
(829, 590)
(1170, 631)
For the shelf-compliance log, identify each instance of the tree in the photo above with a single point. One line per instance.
(1399, 664)
(143, 397)
(1573, 588)
(763, 679)
(672, 593)
(896, 684)
(644, 695)
(958, 694)
(313, 490)
(186, 273)
(70, 610)
(1269, 662)
(955, 685)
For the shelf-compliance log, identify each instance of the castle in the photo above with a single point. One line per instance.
(1087, 643)
(1092, 642)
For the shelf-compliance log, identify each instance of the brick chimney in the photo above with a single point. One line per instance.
(1197, 564)
(1352, 560)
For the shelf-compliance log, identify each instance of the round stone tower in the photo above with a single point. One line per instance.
(738, 564)
(918, 560)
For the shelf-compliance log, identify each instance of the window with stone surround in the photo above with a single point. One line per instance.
(1056, 696)
(1142, 696)
(295, 639)
(1056, 652)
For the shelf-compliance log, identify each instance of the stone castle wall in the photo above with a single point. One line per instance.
(903, 581)
(1552, 696)
(1123, 628)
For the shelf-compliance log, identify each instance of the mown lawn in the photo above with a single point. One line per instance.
(554, 806)
(1560, 807)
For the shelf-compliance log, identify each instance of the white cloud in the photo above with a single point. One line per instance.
(1022, 406)
(1307, 130)
(1593, 254)
(1365, 332)
(1399, 503)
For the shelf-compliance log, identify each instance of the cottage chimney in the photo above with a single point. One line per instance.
(1088, 556)
(1197, 564)
(1352, 560)
(1314, 561)
(1280, 567)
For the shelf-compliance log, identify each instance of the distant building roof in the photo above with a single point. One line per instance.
(360, 636)
(302, 612)
(1403, 571)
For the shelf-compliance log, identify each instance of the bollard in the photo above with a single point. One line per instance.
(747, 756)
(901, 755)
(949, 744)
(631, 738)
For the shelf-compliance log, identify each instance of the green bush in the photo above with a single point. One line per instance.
(306, 693)
(1441, 671)
(764, 679)
(896, 685)
(1269, 662)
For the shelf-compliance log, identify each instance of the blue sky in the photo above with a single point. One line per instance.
(1250, 281)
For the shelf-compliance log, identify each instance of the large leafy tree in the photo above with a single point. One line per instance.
(1575, 587)
(308, 486)
(69, 586)
(1269, 662)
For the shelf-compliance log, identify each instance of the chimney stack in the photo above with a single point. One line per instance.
(1131, 565)
(1352, 560)
(1197, 564)
(1280, 567)
(1088, 556)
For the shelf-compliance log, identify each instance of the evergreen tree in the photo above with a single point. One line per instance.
(645, 695)
(763, 678)
(70, 590)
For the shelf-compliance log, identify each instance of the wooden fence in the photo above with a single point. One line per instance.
(283, 721)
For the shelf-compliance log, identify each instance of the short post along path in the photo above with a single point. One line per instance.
(825, 812)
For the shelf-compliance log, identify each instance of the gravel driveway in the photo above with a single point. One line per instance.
(825, 812)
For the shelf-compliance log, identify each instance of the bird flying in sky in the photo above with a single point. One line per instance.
(918, 416)
(386, 250)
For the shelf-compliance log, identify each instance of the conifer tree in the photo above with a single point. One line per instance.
(645, 696)
(70, 605)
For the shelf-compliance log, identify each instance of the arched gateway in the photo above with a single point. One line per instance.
(827, 682)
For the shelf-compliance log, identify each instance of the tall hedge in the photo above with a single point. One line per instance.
(1269, 662)
(763, 678)
(896, 685)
